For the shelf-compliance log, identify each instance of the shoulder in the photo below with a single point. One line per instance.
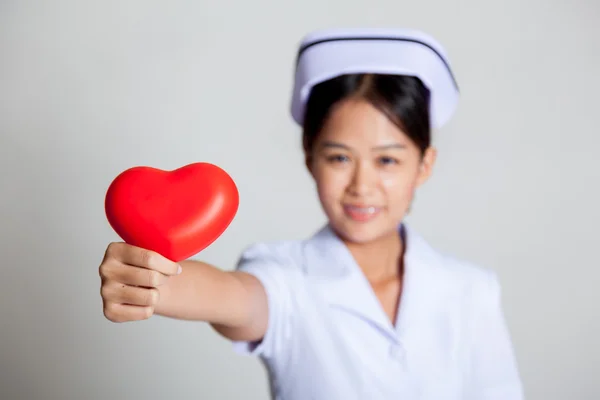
(473, 285)
(481, 285)
(469, 274)
(281, 259)
(281, 252)
(457, 276)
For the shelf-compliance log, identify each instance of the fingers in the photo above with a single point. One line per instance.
(124, 303)
(115, 292)
(132, 276)
(143, 258)
(116, 312)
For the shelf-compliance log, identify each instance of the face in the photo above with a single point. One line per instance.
(366, 171)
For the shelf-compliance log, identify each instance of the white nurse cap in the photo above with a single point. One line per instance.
(330, 53)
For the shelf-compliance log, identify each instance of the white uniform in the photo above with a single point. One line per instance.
(328, 338)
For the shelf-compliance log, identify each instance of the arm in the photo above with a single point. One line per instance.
(137, 283)
(494, 373)
(234, 303)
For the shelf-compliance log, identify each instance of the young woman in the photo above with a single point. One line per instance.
(365, 308)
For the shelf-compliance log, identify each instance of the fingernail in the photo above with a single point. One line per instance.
(179, 270)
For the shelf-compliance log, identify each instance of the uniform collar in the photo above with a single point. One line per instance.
(330, 265)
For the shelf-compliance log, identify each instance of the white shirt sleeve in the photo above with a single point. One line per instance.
(494, 372)
(276, 273)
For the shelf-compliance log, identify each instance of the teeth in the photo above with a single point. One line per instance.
(363, 210)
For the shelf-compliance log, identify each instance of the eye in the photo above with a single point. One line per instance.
(337, 158)
(387, 161)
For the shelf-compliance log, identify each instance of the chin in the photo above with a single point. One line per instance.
(362, 232)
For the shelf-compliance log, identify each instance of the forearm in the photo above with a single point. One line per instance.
(203, 292)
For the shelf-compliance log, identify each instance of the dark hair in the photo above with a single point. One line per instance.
(404, 99)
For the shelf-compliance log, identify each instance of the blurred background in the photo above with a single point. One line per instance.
(89, 89)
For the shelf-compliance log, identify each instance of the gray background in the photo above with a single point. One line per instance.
(88, 89)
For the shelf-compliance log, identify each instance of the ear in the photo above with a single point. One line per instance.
(426, 167)
(308, 161)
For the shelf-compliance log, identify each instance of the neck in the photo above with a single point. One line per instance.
(379, 259)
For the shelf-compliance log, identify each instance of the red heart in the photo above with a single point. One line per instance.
(175, 213)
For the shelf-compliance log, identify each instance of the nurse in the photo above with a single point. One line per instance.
(365, 308)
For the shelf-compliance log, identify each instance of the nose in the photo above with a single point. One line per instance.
(364, 179)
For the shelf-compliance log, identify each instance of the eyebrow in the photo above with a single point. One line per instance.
(382, 147)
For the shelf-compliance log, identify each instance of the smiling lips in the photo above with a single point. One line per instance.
(361, 213)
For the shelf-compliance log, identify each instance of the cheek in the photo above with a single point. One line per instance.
(331, 184)
(400, 187)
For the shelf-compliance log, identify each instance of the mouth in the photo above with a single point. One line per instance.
(361, 213)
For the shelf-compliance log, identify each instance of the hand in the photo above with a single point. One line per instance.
(130, 278)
